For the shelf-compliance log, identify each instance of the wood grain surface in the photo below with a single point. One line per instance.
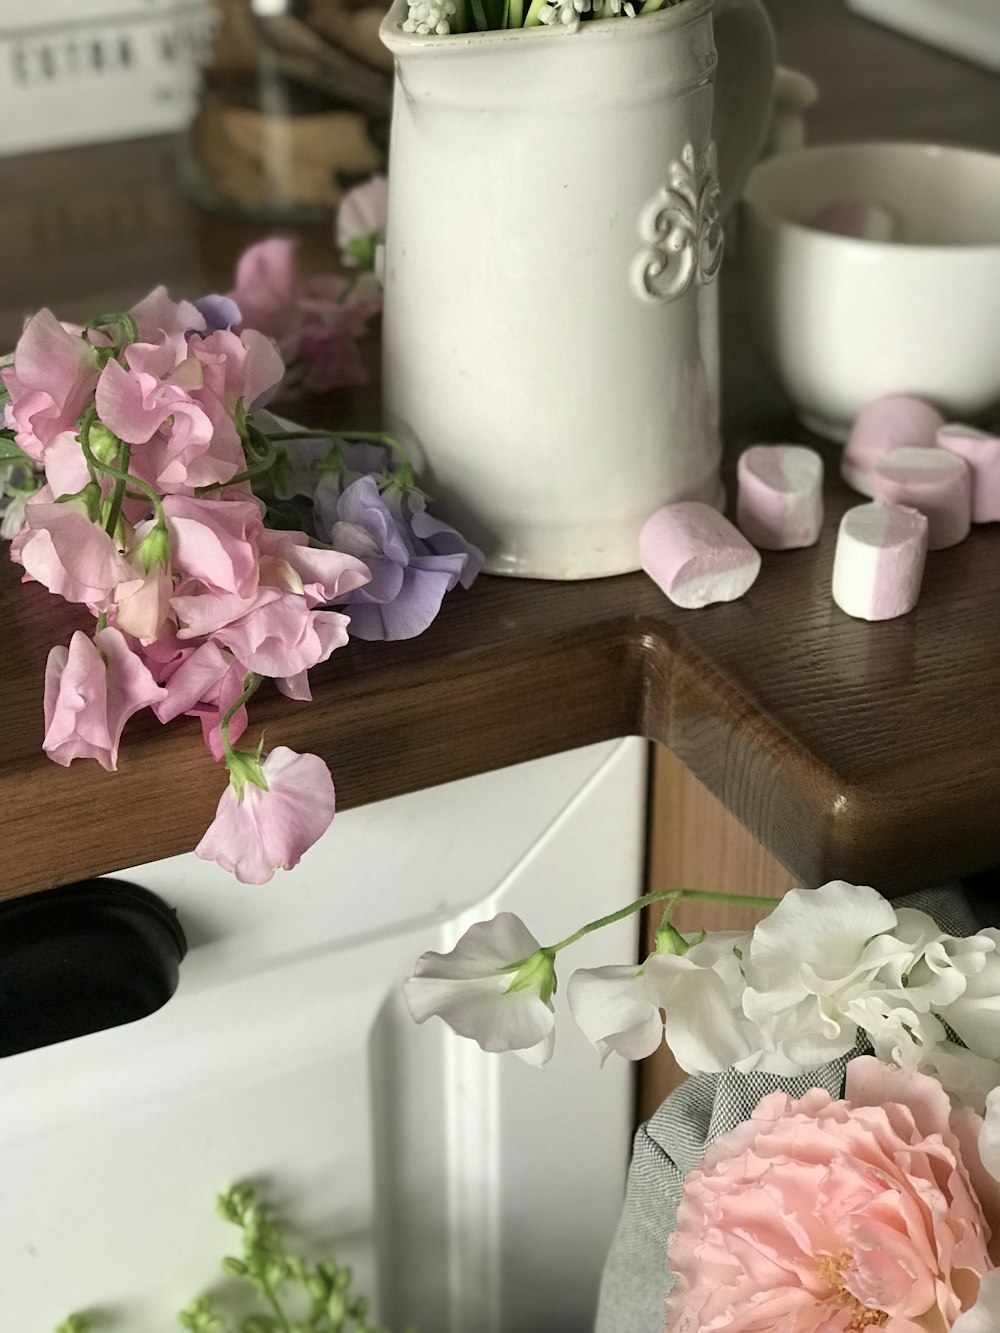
(868, 752)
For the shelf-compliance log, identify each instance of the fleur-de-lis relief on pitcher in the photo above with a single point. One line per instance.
(682, 227)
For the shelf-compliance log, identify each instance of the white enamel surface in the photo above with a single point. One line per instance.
(551, 407)
(472, 1194)
(844, 321)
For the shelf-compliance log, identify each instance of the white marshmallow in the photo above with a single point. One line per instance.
(879, 561)
(933, 481)
(780, 501)
(696, 556)
(981, 451)
(897, 422)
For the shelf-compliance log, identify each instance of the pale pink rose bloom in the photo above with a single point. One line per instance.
(822, 1216)
(50, 383)
(92, 688)
(74, 558)
(216, 541)
(270, 830)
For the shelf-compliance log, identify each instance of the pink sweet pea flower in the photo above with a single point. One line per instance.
(216, 541)
(92, 688)
(267, 285)
(50, 383)
(284, 637)
(264, 829)
(143, 604)
(204, 682)
(73, 557)
(322, 576)
(817, 1214)
(158, 318)
(247, 366)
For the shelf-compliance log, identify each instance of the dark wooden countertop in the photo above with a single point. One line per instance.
(870, 752)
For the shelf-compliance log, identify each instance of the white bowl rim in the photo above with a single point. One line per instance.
(911, 147)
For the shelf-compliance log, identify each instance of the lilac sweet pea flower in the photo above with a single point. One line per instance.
(414, 559)
(218, 312)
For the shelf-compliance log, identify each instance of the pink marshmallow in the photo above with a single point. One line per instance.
(696, 556)
(981, 451)
(879, 561)
(780, 501)
(933, 481)
(857, 218)
(888, 423)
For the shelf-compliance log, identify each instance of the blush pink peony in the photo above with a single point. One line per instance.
(824, 1216)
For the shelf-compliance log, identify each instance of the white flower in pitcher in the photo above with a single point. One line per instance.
(819, 951)
(701, 993)
(494, 987)
(429, 16)
(560, 11)
(616, 1010)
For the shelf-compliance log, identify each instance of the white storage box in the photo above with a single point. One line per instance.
(969, 28)
(472, 1193)
(82, 71)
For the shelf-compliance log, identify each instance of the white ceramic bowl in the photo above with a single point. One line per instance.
(843, 321)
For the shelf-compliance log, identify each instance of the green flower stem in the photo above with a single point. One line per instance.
(93, 462)
(532, 19)
(269, 1294)
(114, 513)
(515, 14)
(251, 684)
(671, 896)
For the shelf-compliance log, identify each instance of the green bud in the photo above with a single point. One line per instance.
(104, 444)
(362, 250)
(336, 1309)
(536, 973)
(154, 549)
(318, 1287)
(88, 501)
(234, 1267)
(342, 1278)
(245, 766)
(670, 940)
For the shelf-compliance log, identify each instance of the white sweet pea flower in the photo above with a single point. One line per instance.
(975, 1014)
(701, 993)
(615, 1009)
(818, 951)
(944, 964)
(899, 1035)
(966, 1077)
(495, 987)
(984, 1317)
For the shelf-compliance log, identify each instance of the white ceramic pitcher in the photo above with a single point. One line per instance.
(550, 328)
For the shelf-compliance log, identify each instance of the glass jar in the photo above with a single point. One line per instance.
(294, 107)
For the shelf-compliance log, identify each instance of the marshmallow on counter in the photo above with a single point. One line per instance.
(858, 218)
(897, 422)
(981, 451)
(780, 501)
(933, 481)
(879, 561)
(696, 556)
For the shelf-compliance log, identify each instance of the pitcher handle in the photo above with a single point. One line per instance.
(744, 84)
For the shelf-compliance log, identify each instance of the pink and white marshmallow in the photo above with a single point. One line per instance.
(897, 422)
(858, 218)
(933, 481)
(879, 561)
(696, 556)
(779, 505)
(981, 451)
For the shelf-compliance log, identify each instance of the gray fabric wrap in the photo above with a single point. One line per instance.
(636, 1280)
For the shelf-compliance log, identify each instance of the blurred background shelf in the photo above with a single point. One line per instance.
(969, 28)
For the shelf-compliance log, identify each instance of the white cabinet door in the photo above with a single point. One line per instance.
(473, 1194)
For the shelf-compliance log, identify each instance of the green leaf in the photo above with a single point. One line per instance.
(13, 453)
